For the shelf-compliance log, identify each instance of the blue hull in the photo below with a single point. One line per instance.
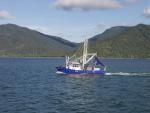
(64, 70)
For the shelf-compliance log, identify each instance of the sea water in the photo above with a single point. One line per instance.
(30, 85)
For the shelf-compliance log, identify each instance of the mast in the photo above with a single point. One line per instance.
(85, 52)
(67, 59)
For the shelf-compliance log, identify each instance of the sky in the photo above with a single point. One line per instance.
(74, 20)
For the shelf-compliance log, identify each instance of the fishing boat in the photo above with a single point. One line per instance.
(87, 63)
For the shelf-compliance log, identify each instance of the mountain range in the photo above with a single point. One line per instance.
(121, 41)
(20, 41)
(115, 42)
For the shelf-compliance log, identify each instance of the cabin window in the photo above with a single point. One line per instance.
(75, 65)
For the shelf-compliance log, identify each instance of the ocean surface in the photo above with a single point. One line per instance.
(30, 85)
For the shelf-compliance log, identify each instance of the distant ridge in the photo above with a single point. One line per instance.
(116, 42)
(20, 41)
(123, 42)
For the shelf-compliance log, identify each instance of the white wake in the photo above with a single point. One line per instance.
(128, 74)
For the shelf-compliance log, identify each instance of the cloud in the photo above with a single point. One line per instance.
(131, 1)
(87, 5)
(5, 15)
(146, 12)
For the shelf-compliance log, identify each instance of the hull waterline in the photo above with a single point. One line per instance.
(63, 70)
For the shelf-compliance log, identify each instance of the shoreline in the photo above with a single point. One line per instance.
(64, 57)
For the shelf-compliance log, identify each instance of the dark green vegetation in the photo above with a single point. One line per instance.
(123, 42)
(23, 42)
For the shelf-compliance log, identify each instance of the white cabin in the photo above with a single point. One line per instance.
(74, 66)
